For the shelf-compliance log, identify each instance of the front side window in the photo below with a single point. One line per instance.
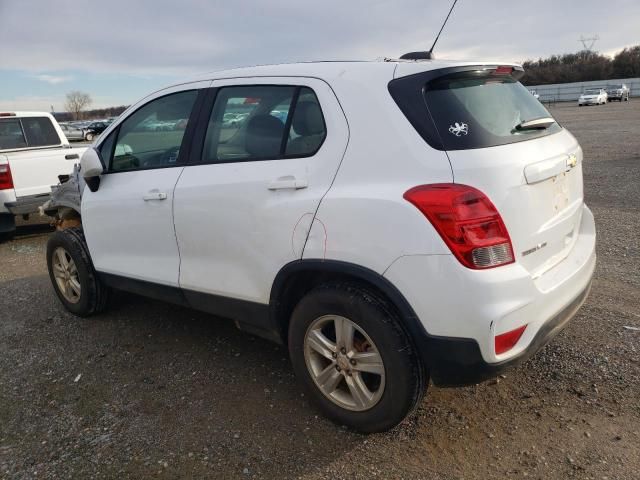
(263, 122)
(151, 137)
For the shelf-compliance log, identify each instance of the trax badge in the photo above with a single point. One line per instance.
(572, 161)
(459, 129)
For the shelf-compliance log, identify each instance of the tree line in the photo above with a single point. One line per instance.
(77, 103)
(583, 66)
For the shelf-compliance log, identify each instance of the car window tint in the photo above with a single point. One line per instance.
(39, 132)
(478, 112)
(11, 135)
(151, 137)
(308, 129)
(259, 122)
(247, 123)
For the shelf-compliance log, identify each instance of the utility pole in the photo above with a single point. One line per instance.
(589, 42)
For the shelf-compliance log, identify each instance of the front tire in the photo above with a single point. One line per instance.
(72, 274)
(352, 356)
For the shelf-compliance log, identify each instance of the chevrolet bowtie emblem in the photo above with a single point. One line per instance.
(572, 161)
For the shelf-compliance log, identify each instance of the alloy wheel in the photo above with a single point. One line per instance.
(344, 363)
(66, 274)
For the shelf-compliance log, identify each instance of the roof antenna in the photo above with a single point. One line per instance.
(428, 55)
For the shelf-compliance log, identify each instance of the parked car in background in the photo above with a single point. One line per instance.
(618, 92)
(593, 96)
(94, 129)
(34, 151)
(73, 133)
(350, 230)
(535, 94)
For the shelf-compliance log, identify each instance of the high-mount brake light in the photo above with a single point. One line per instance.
(502, 70)
(467, 221)
(6, 180)
(7, 114)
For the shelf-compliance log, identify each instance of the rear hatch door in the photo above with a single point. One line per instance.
(503, 141)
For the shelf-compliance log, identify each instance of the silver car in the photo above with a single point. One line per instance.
(72, 132)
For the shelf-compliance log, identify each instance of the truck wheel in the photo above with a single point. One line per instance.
(353, 357)
(7, 226)
(72, 274)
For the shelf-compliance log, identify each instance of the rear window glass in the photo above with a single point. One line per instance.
(11, 135)
(27, 132)
(476, 112)
(39, 132)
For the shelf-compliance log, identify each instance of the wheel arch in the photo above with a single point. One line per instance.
(297, 278)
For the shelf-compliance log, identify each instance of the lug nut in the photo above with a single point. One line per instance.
(352, 361)
(338, 367)
(334, 354)
(349, 373)
(343, 350)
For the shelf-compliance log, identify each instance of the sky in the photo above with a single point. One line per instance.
(120, 50)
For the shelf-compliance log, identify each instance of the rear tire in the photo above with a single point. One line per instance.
(379, 356)
(72, 274)
(7, 227)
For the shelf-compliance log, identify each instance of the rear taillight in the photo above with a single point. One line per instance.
(467, 221)
(506, 341)
(6, 181)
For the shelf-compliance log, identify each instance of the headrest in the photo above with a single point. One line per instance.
(264, 136)
(307, 119)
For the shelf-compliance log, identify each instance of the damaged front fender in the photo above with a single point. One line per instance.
(64, 204)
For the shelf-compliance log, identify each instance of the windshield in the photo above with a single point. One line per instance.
(476, 112)
(616, 86)
(592, 92)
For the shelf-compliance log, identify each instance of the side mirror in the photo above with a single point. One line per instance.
(91, 168)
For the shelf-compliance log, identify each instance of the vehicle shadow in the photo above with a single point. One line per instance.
(158, 383)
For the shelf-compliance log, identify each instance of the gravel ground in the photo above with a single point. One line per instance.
(154, 390)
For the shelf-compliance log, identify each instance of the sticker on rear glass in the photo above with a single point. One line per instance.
(458, 129)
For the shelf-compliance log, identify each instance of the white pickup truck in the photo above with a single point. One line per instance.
(34, 151)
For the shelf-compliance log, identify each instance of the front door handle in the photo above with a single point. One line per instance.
(288, 183)
(155, 196)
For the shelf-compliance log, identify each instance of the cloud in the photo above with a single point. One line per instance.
(52, 79)
(153, 37)
(27, 103)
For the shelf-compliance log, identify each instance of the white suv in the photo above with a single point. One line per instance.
(391, 222)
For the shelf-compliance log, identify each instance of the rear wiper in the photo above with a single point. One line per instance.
(536, 123)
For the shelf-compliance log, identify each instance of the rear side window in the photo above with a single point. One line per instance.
(263, 122)
(476, 109)
(27, 132)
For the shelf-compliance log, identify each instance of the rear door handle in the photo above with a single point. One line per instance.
(287, 183)
(72, 156)
(155, 196)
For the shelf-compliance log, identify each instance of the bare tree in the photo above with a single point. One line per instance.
(76, 102)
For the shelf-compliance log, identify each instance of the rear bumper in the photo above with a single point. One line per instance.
(462, 310)
(25, 205)
(457, 361)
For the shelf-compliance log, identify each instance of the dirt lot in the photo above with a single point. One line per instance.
(153, 390)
